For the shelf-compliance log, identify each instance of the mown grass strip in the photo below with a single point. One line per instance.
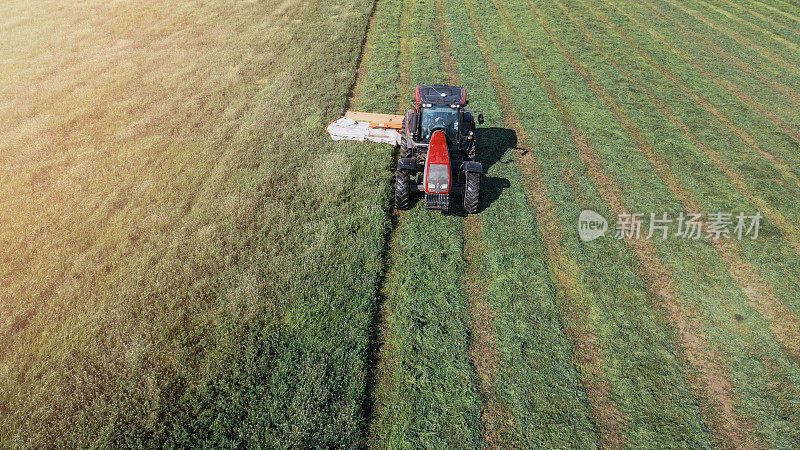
(728, 57)
(589, 359)
(707, 116)
(789, 231)
(773, 418)
(432, 399)
(558, 164)
(717, 390)
(785, 168)
(496, 418)
(548, 406)
(768, 20)
(729, 86)
(753, 25)
(771, 7)
(772, 54)
(785, 324)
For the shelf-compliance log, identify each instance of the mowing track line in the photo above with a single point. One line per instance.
(717, 389)
(753, 26)
(760, 294)
(725, 84)
(589, 358)
(495, 416)
(791, 94)
(788, 230)
(760, 49)
(763, 17)
(785, 169)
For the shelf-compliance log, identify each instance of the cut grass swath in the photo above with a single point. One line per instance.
(623, 172)
(546, 401)
(652, 51)
(536, 111)
(431, 399)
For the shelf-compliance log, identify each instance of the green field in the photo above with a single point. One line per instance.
(187, 259)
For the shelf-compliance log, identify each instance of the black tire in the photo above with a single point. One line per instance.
(402, 189)
(471, 151)
(472, 192)
(405, 151)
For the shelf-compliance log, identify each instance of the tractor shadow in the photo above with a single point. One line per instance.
(493, 143)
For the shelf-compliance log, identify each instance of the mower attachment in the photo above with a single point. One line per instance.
(361, 126)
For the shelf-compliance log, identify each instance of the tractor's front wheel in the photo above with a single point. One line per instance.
(405, 151)
(472, 192)
(402, 189)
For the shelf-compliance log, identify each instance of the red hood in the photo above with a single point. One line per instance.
(439, 157)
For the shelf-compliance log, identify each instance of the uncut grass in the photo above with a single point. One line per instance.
(647, 380)
(547, 403)
(432, 400)
(774, 260)
(732, 78)
(187, 258)
(717, 298)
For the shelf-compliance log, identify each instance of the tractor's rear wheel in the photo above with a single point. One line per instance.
(402, 189)
(472, 192)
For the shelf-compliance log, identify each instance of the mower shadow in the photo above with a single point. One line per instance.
(493, 143)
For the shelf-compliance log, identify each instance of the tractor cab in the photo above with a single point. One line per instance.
(437, 149)
(440, 107)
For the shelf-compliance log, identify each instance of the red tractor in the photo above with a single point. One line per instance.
(437, 150)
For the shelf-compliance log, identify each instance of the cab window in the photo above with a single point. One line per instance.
(439, 117)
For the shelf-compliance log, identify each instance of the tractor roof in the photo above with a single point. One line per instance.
(439, 94)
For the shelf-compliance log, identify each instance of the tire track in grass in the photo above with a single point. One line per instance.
(761, 296)
(747, 42)
(713, 385)
(725, 84)
(496, 418)
(784, 168)
(589, 357)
